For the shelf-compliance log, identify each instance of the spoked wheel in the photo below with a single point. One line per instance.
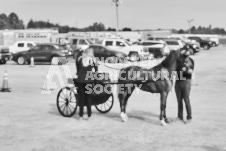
(106, 106)
(67, 102)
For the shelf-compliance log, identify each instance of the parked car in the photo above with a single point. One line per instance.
(21, 46)
(214, 40)
(5, 55)
(135, 52)
(107, 53)
(192, 44)
(157, 48)
(174, 44)
(54, 53)
(205, 44)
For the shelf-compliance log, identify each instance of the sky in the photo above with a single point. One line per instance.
(136, 14)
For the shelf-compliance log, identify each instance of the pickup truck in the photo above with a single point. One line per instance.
(134, 52)
(5, 55)
(154, 45)
(21, 46)
(79, 43)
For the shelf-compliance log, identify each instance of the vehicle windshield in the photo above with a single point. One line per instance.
(183, 42)
(90, 41)
(202, 38)
(129, 44)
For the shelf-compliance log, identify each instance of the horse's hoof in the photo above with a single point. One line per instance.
(163, 123)
(124, 117)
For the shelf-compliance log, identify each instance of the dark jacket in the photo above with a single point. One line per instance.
(188, 63)
(86, 68)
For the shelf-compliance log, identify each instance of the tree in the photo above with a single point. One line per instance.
(4, 24)
(48, 25)
(193, 29)
(111, 29)
(96, 27)
(10, 22)
(181, 31)
(30, 24)
(4, 17)
(126, 29)
(15, 22)
(64, 29)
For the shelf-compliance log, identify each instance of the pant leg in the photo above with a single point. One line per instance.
(179, 99)
(81, 90)
(186, 96)
(87, 100)
(89, 105)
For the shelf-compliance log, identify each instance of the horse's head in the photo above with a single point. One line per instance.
(185, 51)
(171, 58)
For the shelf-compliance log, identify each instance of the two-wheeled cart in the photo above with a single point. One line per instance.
(68, 98)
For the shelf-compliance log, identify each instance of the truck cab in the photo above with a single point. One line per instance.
(21, 46)
(79, 43)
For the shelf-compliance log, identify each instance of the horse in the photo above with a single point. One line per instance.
(149, 83)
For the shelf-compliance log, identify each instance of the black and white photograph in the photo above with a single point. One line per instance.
(112, 75)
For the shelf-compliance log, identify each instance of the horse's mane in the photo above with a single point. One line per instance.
(166, 62)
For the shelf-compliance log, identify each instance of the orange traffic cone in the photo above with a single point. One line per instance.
(32, 64)
(5, 86)
(46, 86)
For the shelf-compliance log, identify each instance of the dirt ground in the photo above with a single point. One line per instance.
(30, 121)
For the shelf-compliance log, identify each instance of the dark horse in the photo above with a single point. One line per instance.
(150, 84)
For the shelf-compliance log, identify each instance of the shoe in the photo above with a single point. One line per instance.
(178, 119)
(188, 121)
(89, 118)
(168, 120)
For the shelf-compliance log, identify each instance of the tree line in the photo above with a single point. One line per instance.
(12, 21)
(201, 30)
(65, 29)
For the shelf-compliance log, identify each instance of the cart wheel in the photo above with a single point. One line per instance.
(106, 106)
(67, 102)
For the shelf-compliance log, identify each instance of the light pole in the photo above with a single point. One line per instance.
(117, 2)
(189, 23)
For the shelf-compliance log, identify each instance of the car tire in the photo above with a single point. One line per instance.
(55, 61)
(21, 60)
(206, 47)
(214, 44)
(2, 62)
(133, 56)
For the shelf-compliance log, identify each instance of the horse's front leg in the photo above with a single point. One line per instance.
(162, 117)
(123, 98)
